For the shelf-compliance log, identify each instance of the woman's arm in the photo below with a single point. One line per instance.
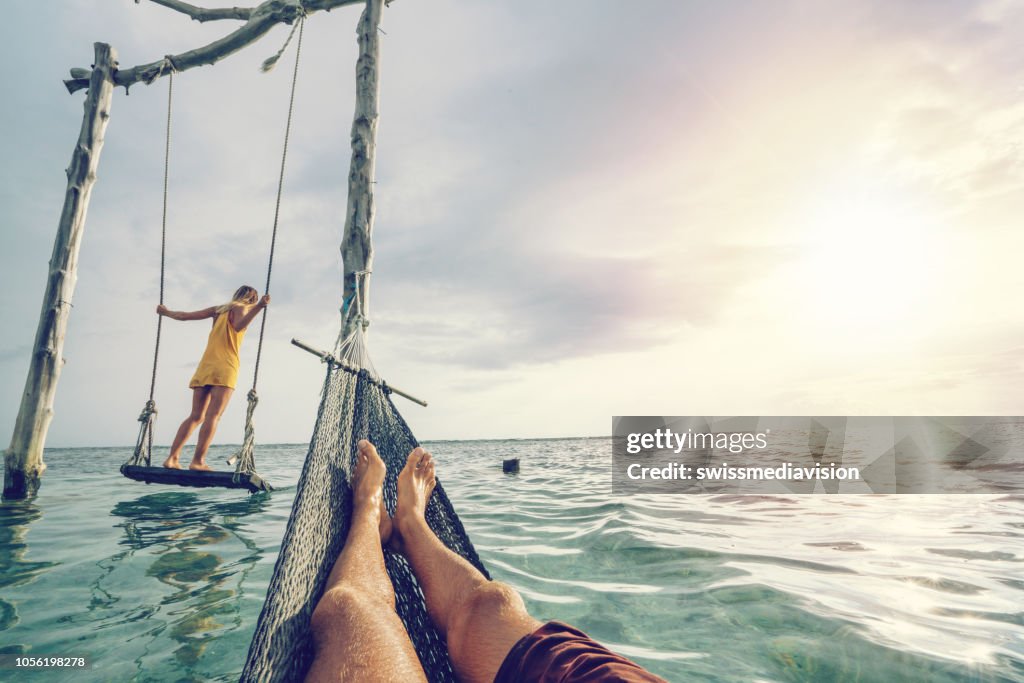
(243, 315)
(187, 315)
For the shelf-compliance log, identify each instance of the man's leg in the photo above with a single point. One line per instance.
(480, 619)
(357, 633)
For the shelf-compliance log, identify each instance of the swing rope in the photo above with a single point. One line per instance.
(245, 458)
(144, 443)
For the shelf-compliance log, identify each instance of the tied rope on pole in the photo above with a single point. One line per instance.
(245, 459)
(144, 443)
(352, 348)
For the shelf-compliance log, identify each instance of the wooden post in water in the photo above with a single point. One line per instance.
(356, 244)
(23, 461)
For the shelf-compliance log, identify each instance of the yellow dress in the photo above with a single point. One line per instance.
(219, 364)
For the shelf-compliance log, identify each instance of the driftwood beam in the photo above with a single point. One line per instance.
(261, 19)
(201, 14)
(23, 461)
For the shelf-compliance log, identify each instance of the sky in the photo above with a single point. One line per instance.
(584, 209)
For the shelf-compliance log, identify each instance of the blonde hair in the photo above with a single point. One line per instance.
(244, 295)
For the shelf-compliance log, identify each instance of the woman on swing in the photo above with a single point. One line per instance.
(215, 378)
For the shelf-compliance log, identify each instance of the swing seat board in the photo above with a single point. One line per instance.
(164, 475)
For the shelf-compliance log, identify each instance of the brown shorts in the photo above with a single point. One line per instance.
(559, 652)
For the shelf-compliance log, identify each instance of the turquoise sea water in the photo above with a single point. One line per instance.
(165, 583)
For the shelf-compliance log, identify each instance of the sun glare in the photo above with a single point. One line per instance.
(869, 264)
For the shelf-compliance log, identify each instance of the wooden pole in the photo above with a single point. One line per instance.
(356, 244)
(328, 358)
(23, 461)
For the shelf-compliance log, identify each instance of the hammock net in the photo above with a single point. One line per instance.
(354, 405)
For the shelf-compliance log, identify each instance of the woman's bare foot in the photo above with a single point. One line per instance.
(199, 466)
(416, 483)
(172, 463)
(368, 480)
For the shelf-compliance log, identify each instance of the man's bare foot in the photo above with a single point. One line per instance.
(415, 484)
(199, 466)
(172, 463)
(368, 480)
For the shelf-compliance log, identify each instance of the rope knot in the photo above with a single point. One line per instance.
(253, 398)
(148, 411)
(297, 22)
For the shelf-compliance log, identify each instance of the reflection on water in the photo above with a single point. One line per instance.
(179, 530)
(165, 584)
(168, 516)
(15, 569)
(151, 583)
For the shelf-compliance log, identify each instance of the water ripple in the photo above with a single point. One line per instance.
(166, 584)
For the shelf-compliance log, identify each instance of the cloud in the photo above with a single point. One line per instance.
(558, 189)
(515, 308)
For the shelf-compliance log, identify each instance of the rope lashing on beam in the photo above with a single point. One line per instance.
(353, 348)
(270, 62)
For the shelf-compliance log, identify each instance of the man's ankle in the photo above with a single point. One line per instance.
(409, 523)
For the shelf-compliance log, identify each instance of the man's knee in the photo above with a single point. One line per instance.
(345, 604)
(483, 609)
(330, 613)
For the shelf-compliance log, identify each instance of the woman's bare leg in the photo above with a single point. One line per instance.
(356, 632)
(200, 399)
(480, 619)
(219, 397)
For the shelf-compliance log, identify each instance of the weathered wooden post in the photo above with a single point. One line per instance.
(356, 244)
(23, 461)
